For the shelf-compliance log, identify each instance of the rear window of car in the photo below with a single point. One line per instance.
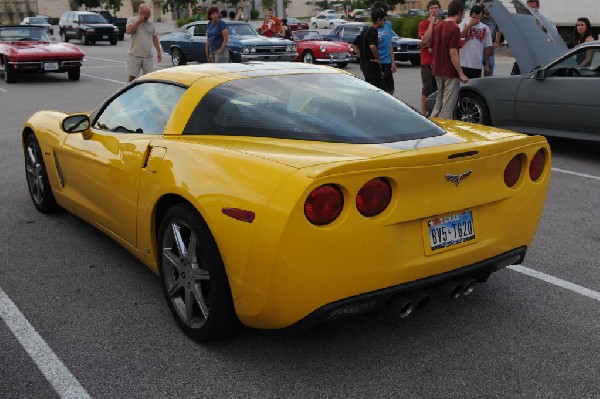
(319, 107)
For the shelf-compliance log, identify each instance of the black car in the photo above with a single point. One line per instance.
(88, 27)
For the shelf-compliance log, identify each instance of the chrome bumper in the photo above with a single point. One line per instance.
(269, 57)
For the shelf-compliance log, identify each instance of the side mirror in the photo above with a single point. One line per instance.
(78, 123)
(540, 74)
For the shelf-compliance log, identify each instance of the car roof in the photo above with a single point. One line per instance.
(533, 39)
(188, 74)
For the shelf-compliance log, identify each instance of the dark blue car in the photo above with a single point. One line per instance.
(405, 49)
(244, 44)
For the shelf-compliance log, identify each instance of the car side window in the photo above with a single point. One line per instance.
(144, 108)
(200, 29)
(583, 63)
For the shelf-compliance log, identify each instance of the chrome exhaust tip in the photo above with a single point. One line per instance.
(450, 289)
(468, 285)
(419, 299)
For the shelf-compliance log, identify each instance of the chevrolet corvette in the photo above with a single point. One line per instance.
(260, 198)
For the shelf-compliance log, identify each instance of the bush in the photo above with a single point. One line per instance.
(254, 14)
(406, 27)
(183, 21)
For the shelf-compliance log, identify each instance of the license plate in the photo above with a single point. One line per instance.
(105, 37)
(451, 230)
(50, 66)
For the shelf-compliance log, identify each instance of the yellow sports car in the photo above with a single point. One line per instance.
(280, 194)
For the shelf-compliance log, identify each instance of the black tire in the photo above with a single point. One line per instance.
(194, 281)
(314, 25)
(113, 41)
(10, 74)
(472, 108)
(37, 177)
(74, 73)
(415, 62)
(177, 57)
(342, 64)
(308, 57)
(121, 36)
(63, 37)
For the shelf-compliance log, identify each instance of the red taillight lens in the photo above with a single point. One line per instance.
(536, 167)
(324, 204)
(374, 197)
(513, 171)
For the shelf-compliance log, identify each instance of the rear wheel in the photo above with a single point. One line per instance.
(37, 177)
(10, 75)
(74, 73)
(193, 276)
(177, 57)
(331, 25)
(472, 108)
(308, 57)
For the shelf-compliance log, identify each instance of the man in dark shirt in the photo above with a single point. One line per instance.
(365, 47)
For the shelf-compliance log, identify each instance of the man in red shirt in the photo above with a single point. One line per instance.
(446, 62)
(271, 25)
(425, 32)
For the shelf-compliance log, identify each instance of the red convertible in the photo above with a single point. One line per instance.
(28, 49)
(313, 48)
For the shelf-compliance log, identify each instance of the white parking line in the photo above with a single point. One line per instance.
(557, 281)
(105, 59)
(4, 90)
(576, 173)
(109, 80)
(59, 376)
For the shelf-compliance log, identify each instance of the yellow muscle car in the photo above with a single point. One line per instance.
(287, 194)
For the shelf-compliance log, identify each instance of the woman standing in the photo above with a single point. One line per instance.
(216, 46)
(286, 32)
(583, 34)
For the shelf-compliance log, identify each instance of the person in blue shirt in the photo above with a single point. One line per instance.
(386, 51)
(216, 38)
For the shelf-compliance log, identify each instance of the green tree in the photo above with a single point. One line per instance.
(170, 5)
(114, 5)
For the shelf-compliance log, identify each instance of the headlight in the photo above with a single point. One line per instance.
(116, 30)
(322, 48)
(288, 48)
(90, 30)
(253, 49)
(245, 49)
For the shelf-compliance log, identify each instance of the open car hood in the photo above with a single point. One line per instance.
(533, 39)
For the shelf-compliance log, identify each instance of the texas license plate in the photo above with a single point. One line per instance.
(50, 66)
(451, 230)
(105, 37)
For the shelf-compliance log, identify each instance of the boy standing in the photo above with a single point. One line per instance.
(365, 47)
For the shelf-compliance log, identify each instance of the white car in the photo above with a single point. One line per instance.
(323, 21)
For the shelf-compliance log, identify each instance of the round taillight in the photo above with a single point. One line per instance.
(513, 171)
(323, 205)
(374, 197)
(536, 167)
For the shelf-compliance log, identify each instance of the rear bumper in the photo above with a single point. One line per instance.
(374, 300)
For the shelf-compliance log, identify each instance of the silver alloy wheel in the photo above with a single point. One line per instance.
(176, 57)
(187, 279)
(34, 171)
(308, 58)
(469, 110)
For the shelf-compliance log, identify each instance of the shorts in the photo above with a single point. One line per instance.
(427, 80)
(388, 78)
(220, 58)
(137, 64)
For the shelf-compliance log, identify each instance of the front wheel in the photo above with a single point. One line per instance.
(113, 41)
(10, 74)
(74, 73)
(121, 36)
(63, 37)
(37, 177)
(83, 39)
(177, 57)
(193, 276)
(331, 25)
(308, 57)
(415, 61)
(472, 108)
(314, 25)
(342, 64)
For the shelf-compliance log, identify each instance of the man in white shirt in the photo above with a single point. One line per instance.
(477, 45)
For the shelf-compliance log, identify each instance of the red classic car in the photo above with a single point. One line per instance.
(296, 24)
(313, 48)
(28, 49)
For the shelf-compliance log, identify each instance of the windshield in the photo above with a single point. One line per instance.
(241, 30)
(297, 107)
(38, 20)
(92, 19)
(306, 35)
(23, 34)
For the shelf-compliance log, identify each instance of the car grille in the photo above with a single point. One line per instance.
(266, 50)
(337, 56)
(103, 31)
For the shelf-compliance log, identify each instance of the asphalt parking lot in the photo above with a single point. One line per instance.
(82, 318)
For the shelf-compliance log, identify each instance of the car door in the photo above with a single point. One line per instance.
(73, 26)
(566, 98)
(193, 47)
(321, 21)
(101, 168)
